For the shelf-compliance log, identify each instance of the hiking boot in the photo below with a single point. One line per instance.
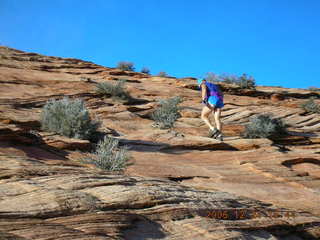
(217, 133)
(219, 137)
(213, 132)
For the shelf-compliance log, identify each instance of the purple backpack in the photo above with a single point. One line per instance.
(213, 90)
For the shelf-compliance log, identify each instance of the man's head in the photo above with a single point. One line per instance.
(201, 81)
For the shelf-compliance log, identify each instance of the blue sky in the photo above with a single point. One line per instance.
(275, 41)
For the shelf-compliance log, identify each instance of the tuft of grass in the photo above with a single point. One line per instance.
(311, 106)
(264, 126)
(145, 70)
(109, 156)
(167, 113)
(69, 118)
(126, 66)
(115, 90)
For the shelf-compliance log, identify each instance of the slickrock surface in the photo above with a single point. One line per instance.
(180, 184)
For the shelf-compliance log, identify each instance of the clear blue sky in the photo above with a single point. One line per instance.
(275, 41)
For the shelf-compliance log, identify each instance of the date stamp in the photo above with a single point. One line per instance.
(239, 214)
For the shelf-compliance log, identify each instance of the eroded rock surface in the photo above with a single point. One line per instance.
(180, 184)
(45, 196)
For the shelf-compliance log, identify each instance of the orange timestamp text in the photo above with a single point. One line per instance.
(238, 214)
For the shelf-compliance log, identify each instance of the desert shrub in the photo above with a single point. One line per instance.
(230, 79)
(167, 113)
(69, 118)
(145, 70)
(108, 155)
(162, 74)
(247, 82)
(212, 77)
(264, 126)
(126, 66)
(115, 90)
(244, 81)
(311, 106)
(314, 89)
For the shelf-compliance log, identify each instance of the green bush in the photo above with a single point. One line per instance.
(264, 126)
(115, 90)
(162, 74)
(244, 81)
(69, 118)
(109, 156)
(230, 79)
(311, 106)
(212, 77)
(126, 66)
(167, 113)
(314, 89)
(247, 82)
(145, 70)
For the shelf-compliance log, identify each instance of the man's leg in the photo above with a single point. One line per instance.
(217, 115)
(217, 119)
(205, 116)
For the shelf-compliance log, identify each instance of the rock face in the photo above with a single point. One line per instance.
(180, 184)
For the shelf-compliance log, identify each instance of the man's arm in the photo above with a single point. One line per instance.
(203, 91)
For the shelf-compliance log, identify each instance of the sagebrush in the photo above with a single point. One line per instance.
(244, 81)
(116, 90)
(69, 118)
(126, 66)
(167, 113)
(311, 106)
(212, 77)
(264, 126)
(230, 79)
(314, 89)
(145, 70)
(109, 156)
(162, 74)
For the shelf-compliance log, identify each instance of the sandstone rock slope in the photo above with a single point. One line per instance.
(179, 184)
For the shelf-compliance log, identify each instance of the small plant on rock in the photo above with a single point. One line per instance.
(108, 155)
(69, 118)
(212, 77)
(264, 126)
(114, 90)
(162, 74)
(244, 81)
(126, 66)
(314, 89)
(311, 106)
(229, 79)
(145, 70)
(167, 113)
(247, 82)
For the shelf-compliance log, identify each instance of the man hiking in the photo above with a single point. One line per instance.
(212, 98)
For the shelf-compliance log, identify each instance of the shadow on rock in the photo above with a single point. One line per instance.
(143, 228)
